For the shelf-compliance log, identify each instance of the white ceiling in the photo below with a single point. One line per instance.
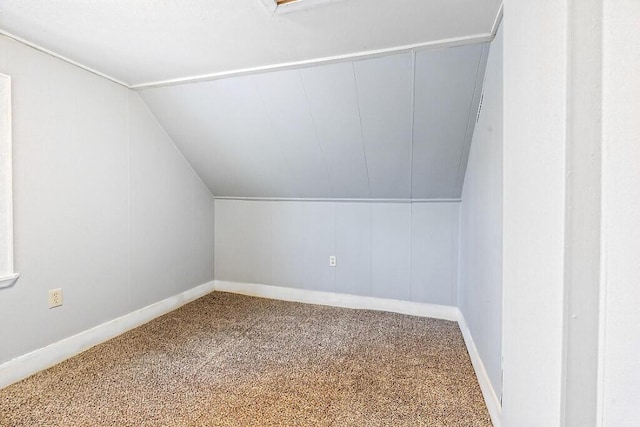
(361, 129)
(146, 41)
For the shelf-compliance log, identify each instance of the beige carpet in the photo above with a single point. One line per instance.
(230, 360)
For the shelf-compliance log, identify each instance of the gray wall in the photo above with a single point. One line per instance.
(105, 205)
(400, 251)
(480, 286)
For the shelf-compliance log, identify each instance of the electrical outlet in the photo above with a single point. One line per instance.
(55, 298)
(332, 261)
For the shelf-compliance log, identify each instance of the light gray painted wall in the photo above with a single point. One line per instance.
(480, 292)
(439, 118)
(389, 250)
(396, 126)
(620, 295)
(105, 206)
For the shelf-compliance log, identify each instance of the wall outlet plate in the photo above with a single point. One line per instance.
(55, 298)
(332, 261)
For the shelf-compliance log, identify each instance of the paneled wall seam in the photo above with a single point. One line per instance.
(364, 149)
(374, 259)
(411, 240)
(413, 118)
(370, 210)
(315, 130)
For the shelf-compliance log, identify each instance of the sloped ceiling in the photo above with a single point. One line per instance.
(393, 127)
(357, 124)
(145, 41)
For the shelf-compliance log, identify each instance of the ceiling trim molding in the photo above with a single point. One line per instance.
(436, 44)
(273, 8)
(497, 21)
(62, 58)
(338, 200)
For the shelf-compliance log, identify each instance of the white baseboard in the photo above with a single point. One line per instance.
(380, 304)
(26, 365)
(490, 397)
(339, 300)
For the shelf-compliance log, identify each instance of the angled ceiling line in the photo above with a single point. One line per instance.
(173, 143)
(62, 58)
(497, 21)
(461, 172)
(355, 56)
(364, 148)
(315, 130)
(435, 44)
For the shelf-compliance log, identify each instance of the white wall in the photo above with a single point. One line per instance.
(535, 130)
(480, 277)
(620, 294)
(105, 206)
(390, 250)
(6, 197)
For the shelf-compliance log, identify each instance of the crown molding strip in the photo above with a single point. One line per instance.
(497, 21)
(436, 44)
(62, 58)
(357, 56)
(339, 200)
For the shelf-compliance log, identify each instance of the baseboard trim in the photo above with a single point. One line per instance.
(380, 304)
(490, 397)
(333, 299)
(26, 365)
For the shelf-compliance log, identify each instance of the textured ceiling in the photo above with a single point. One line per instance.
(393, 127)
(144, 41)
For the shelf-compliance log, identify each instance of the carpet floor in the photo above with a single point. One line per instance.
(232, 360)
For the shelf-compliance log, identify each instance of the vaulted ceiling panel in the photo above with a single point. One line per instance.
(286, 104)
(223, 130)
(311, 104)
(333, 101)
(392, 127)
(385, 99)
(447, 87)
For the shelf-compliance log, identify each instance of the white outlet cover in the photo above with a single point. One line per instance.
(55, 297)
(332, 261)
